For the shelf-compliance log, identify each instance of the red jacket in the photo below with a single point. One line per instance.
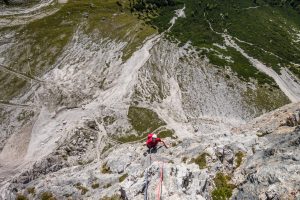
(150, 143)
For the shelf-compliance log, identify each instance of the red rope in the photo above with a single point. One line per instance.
(159, 186)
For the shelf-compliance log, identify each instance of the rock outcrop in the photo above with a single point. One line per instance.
(257, 166)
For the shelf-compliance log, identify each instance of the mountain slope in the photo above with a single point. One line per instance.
(83, 83)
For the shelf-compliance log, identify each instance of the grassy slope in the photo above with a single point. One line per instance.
(269, 29)
(41, 42)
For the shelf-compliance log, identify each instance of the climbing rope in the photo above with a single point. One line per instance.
(161, 177)
(146, 177)
(159, 186)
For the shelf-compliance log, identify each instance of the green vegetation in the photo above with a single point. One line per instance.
(130, 138)
(265, 98)
(151, 5)
(107, 185)
(294, 4)
(223, 190)
(105, 169)
(239, 158)
(47, 196)
(200, 160)
(95, 185)
(31, 190)
(41, 42)
(262, 134)
(114, 197)
(123, 177)
(240, 65)
(25, 115)
(269, 27)
(48, 36)
(21, 197)
(80, 162)
(108, 120)
(83, 189)
(143, 121)
(10, 85)
(166, 133)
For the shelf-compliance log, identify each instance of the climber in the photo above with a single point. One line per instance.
(152, 141)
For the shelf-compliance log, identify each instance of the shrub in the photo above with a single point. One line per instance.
(223, 189)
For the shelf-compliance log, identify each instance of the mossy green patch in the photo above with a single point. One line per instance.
(21, 197)
(31, 190)
(107, 185)
(143, 121)
(105, 169)
(239, 158)
(114, 197)
(130, 138)
(47, 196)
(83, 189)
(165, 134)
(223, 190)
(123, 177)
(95, 185)
(10, 86)
(108, 120)
(262, 134)
(200, 160)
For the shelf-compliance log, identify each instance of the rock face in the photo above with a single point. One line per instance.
(77, 131)
(9, 2)
(272, 172)
(268, 168)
